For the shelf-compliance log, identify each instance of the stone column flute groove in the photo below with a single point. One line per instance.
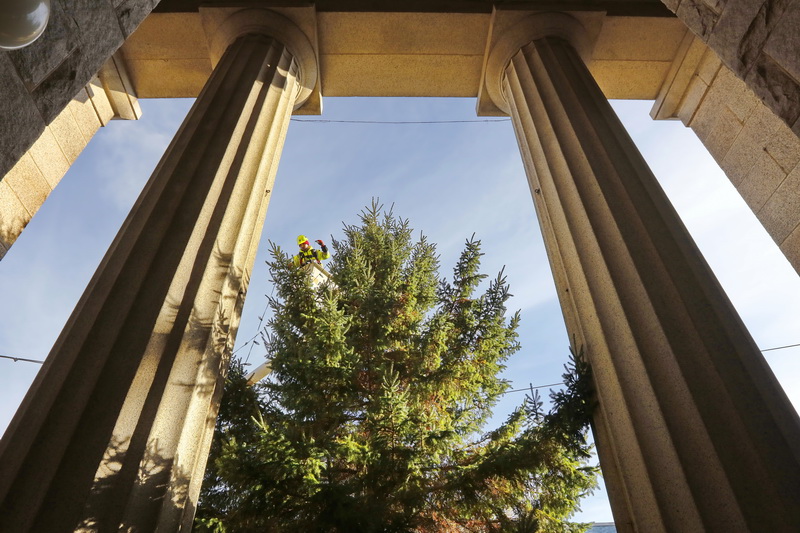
(115, 430)
(693, 431)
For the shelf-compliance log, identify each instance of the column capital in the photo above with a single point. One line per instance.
(512, 39)
(224, 26)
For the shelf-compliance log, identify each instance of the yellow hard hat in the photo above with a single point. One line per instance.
(301, 239)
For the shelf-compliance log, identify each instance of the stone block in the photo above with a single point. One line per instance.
(69, 135)
(35, 62)
(131, 13)
(17, 108)
(749, 144)
(781, 213)
(650, 39)
(28, 184)
(775, 88)
(169, 78)
(13, 216)
(717, 127)
(100, 36)
(738, 98)
(784, 41)
(100, 101)
(118, 88)
(692, 98)
(49, 158)
(698, 16)
(739, 32)
(631, 80)
(84, 114)
(791, 248)
(784, 148)
(709, 67)
(760, 183)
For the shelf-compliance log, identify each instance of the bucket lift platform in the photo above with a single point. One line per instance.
(318, 276)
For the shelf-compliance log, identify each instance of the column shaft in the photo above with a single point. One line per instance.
(693, 431)
(115, 430)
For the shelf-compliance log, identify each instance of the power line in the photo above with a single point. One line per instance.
(780, 347)
(328, 121)
(536, 387)
(16, 359)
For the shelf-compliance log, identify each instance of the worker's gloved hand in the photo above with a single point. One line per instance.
(322, 246)
(320, 242)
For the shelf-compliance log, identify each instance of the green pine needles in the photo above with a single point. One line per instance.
(373, 417)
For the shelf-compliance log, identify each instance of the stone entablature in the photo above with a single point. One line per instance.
(403, 53)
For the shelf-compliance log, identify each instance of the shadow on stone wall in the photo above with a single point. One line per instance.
(10, 228)
(116, 505)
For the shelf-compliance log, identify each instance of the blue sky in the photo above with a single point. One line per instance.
(450, 180)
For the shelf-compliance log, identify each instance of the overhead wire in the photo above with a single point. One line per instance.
(15, 359)
(329, 121)
(530, 387)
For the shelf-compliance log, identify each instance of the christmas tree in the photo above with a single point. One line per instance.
(374, 416)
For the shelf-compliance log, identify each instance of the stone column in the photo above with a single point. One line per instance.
(692, 429)
(114, 433)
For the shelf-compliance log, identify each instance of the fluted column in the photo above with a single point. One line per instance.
(114, 433)
(693, 431)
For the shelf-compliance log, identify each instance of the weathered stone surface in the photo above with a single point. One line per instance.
(784, 148)
(28, 184)
(100, 35)
(131, 13)
(694, 94)
(718, 127)
(13, 216)
(743, 30)
(709, 67)
(781, 213)
(68, 134)
(85, 115)
(17, 109)
(35, 62)
(736, 33)
(716, 124)
(748, 146)
(49, 157)
(698, 17)
(760, 183)
(100, 101)
(783, 43)
(738, 98)
(758, 41)
(779, 91)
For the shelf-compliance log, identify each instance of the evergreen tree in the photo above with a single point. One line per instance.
(381, 386)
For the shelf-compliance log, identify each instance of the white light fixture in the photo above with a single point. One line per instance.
(22, 22)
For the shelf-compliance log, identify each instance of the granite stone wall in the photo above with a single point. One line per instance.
(37, 82)
(758, 40)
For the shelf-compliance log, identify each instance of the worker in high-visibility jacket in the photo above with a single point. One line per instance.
(308, 254)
